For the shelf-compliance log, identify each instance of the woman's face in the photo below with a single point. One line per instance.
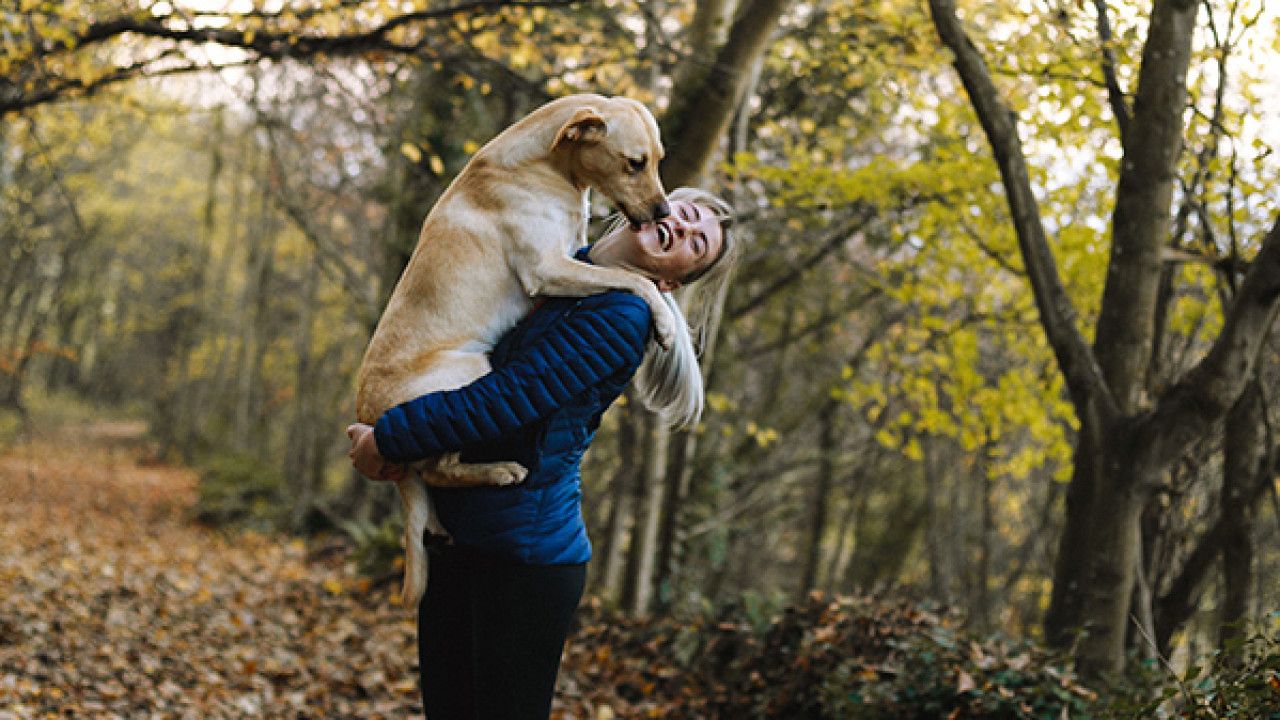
(669, 250)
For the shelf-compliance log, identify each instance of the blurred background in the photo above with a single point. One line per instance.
(204, 205)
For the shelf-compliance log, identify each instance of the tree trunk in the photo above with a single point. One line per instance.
(636, 502)
(981, 611)
(817, 510)
(678, 476)
(844, 540)
(1244, 458)
(940, 565)
(1111, 568)
(707, 95)
(620, 490)
(1140, 224)
(1066, 600)
(1124, 449)
(301, 443)
(1144, 198)
(644, 537)
(261, 268)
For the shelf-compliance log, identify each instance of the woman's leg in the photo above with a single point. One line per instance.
(445, 648)
(523, 616)
(490, 635)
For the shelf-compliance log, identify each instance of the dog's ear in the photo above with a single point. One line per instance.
(586, 126)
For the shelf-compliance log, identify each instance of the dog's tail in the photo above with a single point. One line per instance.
(417, 512)
(669, 382)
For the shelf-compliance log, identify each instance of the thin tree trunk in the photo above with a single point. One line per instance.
(844, 541)
(818, 500)
(620, 490)
(259, 269)
(649, 506)
(302, 431)
(986, 531)
(636, 503)
(940, 564)
(678, 476)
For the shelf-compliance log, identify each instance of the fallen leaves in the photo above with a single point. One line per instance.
(115, 605)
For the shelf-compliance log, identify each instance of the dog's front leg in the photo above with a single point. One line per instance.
(565, 277)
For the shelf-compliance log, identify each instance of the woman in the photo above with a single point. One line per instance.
(501, 594)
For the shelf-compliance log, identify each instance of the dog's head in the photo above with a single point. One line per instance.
(614, 147)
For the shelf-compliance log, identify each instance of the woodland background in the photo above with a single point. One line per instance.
(1003, 341)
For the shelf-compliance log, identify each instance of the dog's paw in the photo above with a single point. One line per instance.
(508, 473)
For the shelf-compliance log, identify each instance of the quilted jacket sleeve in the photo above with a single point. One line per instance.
(586, 347)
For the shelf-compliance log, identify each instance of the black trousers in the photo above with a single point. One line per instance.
(490, 634)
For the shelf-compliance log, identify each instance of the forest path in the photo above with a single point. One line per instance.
(113, 603)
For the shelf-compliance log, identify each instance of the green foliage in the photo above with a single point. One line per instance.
(239, 490)
(1240, 680)
(378, 548)
(844, 658)
(936, 674)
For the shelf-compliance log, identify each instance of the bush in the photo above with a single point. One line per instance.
(239, 490)
(1242, 681)
(829, 659)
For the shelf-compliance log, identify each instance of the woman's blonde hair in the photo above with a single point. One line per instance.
(669, 382)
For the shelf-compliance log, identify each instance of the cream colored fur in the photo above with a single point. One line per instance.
(501, 234)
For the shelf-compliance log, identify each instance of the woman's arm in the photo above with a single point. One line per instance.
(586, 347)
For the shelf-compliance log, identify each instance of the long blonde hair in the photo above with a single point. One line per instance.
(669, 382)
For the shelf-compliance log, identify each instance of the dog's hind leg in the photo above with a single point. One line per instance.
(450, 471)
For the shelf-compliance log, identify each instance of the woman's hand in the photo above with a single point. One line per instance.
(366, 458)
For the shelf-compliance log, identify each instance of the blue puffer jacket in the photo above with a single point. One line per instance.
(553, 376)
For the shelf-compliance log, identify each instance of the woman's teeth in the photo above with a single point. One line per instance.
(664, 237)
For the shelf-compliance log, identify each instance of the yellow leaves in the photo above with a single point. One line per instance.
(888, 439)
(333, 586)
(411, 151)
(719, 402)
(414, 153)
(763, 436)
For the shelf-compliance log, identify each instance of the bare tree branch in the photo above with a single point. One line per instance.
(1209, 390)
(1115, 95)
(826, 247)
(30, 81)
(1057, 313)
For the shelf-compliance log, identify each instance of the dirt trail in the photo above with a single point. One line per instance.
(114, 604)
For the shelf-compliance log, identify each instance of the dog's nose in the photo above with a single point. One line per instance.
(661, 210)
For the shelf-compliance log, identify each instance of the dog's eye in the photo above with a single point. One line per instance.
(637, 164)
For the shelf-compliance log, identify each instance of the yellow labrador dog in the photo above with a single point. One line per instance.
(501, 234)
